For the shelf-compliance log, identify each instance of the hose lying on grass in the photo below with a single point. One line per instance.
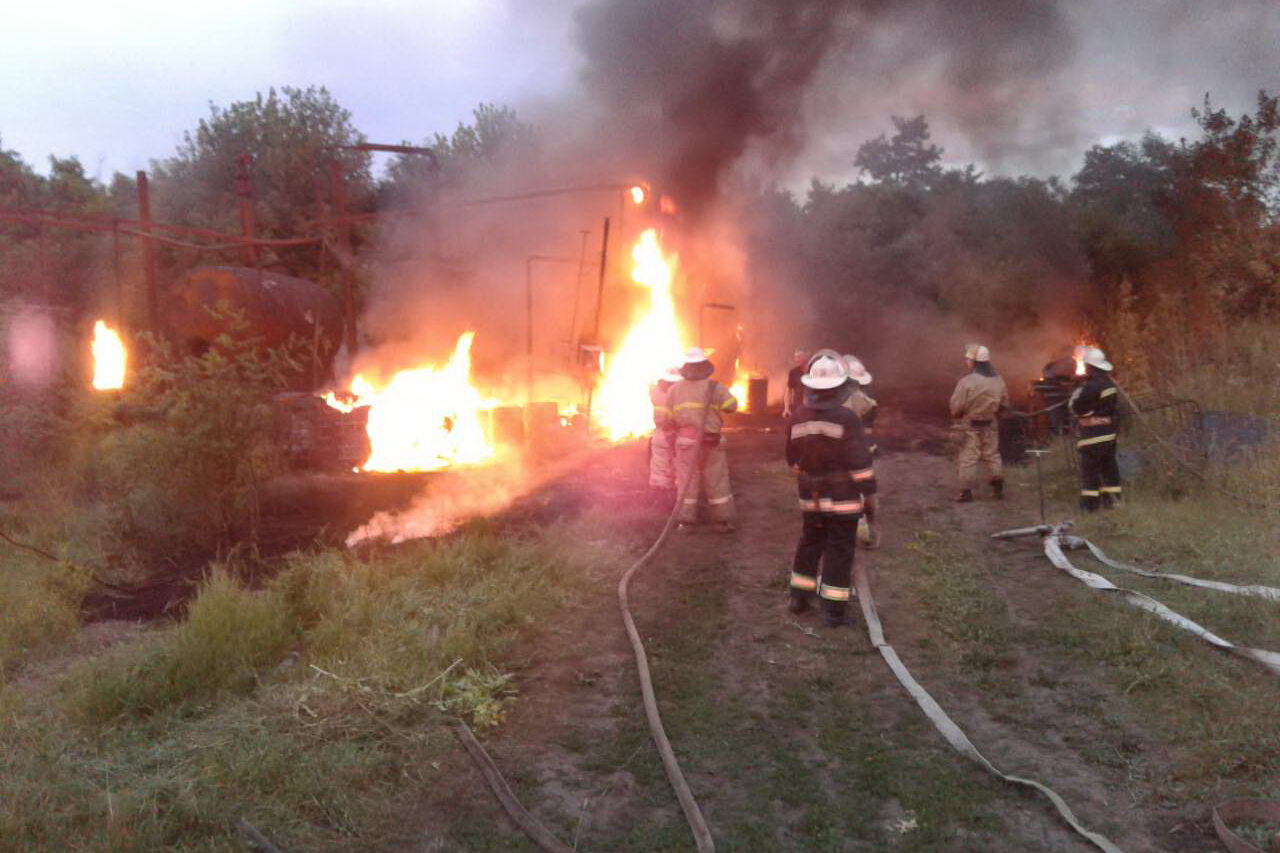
(1055, 538)
(1270, 593)
(947, 727)
(528, 824)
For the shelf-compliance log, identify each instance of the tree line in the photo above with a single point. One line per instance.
(1181, 231)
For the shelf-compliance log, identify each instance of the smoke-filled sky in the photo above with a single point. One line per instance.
(1014, 85)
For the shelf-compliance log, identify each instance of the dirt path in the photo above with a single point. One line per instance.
(797, 737)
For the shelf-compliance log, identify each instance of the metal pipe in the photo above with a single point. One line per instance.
(338, 197)
(595, 335)
(528, 311)
(577, 291)
(115, 271)
(528, 330)
(244, 189)
(42, 266)
(148, 254)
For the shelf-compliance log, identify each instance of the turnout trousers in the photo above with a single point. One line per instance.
(1099, 475)
(712, 479)
(827, 541)
(662, 452)
(831, 507)
(981, 445)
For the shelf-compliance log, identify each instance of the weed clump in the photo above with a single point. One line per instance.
(230, 635)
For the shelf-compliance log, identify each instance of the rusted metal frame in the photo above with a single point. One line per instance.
(244, 189)
(148, 254)
(373, 216)
(595, 334)
(115, 271)
(338, 198)
(528, 313)
(62, 219)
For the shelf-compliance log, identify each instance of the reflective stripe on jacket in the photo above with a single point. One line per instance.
(687, 399)
(659, 394)
(827, 444)
(1095, 403)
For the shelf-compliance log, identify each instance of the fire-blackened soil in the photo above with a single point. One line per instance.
(797, 737)
(296, 511)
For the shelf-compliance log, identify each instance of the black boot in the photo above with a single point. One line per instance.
(834, 617)
(799, 603)
(997, 489)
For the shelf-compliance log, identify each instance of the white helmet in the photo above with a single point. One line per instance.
(696, 355)
(825, 373)
(977, 352)
(1097, 358)
(671, 374)
(857, 371)
(822, 353)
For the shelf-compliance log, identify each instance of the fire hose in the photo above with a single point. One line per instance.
(1056, 540)
(529, 825)
(947, 727)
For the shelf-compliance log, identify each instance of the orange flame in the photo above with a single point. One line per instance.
(638, 194)
(652, 344)
(1078, 354)
(109, 358)
(423, 419)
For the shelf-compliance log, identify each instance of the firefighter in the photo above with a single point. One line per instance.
(698, 404)
(1095, 406)
(836, 485)
(662, 444)
(795, 391)
(860, 401)
(980, 397)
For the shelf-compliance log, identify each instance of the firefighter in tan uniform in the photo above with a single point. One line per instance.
(979, 398)
(662, 444)
(698, 403)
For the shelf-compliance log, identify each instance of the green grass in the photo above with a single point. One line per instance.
(953, 587)
(312, 707)
(1214, 712)
(804, 763)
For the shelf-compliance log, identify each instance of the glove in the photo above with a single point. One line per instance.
(873, 535)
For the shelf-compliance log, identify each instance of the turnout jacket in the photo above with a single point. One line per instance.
(865, 407)
(1095, 406)
(687, 398)
(659, 396)
(826, 443)
(978, 399)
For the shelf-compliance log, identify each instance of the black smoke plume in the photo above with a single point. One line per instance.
(703, 83)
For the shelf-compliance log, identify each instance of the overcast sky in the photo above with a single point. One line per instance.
(117, 83)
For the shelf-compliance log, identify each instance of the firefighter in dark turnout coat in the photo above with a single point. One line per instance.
(836, 484)
(1095, 406)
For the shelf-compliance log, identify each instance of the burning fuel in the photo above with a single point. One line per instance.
(651, 346)
(425, 418)
(109, 358)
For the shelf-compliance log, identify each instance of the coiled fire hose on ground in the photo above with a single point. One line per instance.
(528, 824)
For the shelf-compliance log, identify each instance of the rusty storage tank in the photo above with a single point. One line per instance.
(275, 308)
